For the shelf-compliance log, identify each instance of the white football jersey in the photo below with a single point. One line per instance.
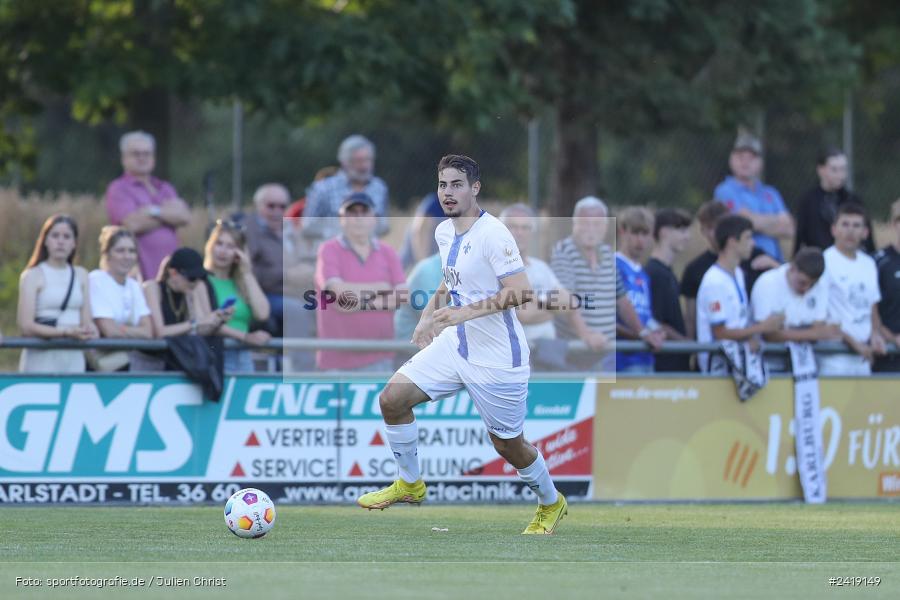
(852, 291)
(721, 300)
(773, 294)
(473, 265)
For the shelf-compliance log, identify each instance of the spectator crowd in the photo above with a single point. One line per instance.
(319, 267)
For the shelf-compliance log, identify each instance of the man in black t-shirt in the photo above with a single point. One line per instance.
(708, 215)
(671, 233)
(816, 211)
(888, 261)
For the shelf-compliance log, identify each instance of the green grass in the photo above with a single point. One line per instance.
(672, 551)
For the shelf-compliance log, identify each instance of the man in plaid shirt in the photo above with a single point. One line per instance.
(357, 158)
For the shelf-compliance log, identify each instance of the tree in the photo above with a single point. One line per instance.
(632, 66)
(639, 66)
(622, 66)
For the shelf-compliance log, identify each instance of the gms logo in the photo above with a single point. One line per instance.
(103, 428)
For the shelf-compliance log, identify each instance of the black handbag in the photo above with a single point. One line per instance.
(51, 322)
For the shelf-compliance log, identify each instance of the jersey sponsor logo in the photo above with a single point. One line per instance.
(452, 277)
(715, 306)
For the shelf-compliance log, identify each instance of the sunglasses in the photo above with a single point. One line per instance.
(229, 224)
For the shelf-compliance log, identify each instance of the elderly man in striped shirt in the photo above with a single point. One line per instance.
(585, 265)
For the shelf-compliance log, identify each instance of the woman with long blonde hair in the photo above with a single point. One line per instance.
(231, 280)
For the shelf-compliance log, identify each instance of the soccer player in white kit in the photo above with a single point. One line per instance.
(475, 343)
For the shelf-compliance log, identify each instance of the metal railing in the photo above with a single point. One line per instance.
(281, 344)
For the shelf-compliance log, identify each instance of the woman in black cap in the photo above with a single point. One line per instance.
(177, 305)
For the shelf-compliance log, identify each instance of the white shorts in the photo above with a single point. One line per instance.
(500, 395)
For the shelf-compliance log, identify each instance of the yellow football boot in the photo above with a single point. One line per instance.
(548, 516)
(399, 491)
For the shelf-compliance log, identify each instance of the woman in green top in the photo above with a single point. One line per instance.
(231, 276)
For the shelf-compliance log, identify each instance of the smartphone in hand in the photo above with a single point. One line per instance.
(229, 302)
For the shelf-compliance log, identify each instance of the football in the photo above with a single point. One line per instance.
(249, 513)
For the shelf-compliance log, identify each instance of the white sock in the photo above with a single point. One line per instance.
(403, 440)
(537, 477)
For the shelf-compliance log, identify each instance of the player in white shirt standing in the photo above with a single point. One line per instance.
(723, 307)
(797, 291)
(476, 343)
(853, 295)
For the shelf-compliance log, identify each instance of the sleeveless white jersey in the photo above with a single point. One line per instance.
(473, 265)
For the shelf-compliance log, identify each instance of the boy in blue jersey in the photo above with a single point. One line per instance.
(635, 231)
(475, 343)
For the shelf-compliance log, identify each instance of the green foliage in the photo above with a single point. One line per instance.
(623, 67)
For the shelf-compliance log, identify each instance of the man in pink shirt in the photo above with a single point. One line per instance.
(145, 205)
(367, 279)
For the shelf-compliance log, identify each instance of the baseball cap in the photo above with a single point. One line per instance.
(188, 262)
(747, 141)
(357, 198)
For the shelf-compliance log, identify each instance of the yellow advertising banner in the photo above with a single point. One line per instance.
(680, 438)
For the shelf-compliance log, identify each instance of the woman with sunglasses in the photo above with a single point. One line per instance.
(178, 306)
(231, 280)
(53, 299)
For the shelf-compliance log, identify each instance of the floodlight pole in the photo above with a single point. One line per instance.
(534, 160)
(534, 172)
(237, 151)
(848, 136)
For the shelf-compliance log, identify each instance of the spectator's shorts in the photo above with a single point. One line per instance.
(499, 394)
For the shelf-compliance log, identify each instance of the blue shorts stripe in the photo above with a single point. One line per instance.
(463, 343)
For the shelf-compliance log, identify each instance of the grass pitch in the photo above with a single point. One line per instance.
(658, 551)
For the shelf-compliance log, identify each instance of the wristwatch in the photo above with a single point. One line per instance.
(154, 211)
(193, 326)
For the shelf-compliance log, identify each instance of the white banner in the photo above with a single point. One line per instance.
(807, 428)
